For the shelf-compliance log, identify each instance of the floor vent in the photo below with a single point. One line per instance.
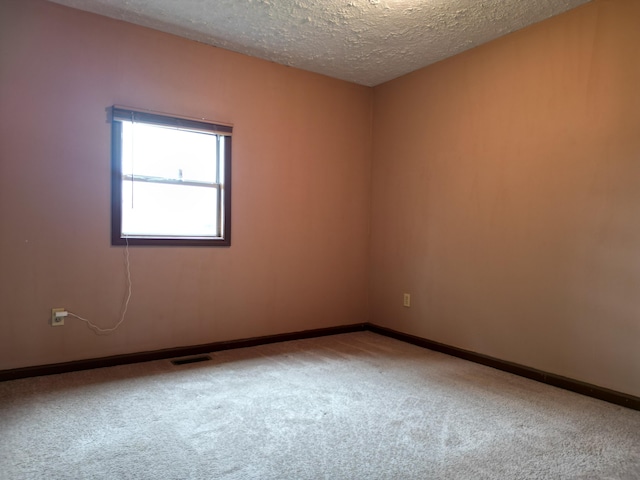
(184, 361)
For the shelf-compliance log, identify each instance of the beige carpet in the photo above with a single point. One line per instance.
(354, 406)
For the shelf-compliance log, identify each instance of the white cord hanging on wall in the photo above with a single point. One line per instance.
(105, 331)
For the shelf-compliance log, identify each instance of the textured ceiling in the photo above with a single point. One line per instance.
(362, 41)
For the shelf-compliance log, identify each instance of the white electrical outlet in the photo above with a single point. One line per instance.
(406, 300)
(57, 317)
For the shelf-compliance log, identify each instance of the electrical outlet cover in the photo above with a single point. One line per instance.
(56, 321)
(406, 300)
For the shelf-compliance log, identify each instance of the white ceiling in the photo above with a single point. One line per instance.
(362, 41)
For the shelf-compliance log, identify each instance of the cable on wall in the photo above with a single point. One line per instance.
(106, 331)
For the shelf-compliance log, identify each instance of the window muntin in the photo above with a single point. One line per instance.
(170, 180)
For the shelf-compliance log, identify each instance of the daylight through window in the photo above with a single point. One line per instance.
(170, 180)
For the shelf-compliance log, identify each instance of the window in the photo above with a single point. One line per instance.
(170, 180)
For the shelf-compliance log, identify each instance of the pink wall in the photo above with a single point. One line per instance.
(504, 195)
(506, 198)
(301, 191)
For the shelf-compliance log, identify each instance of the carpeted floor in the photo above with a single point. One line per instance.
(353, 406)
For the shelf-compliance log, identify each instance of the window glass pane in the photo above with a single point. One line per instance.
(166, 152)
(169, 210)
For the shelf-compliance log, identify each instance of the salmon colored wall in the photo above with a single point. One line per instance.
(506, 198)
(503, 195)
(301, 191)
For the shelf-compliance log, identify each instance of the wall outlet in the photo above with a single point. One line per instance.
(406, 300)
(57, 320)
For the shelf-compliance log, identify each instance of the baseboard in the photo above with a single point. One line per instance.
(576, 386)
(52, 369)
(565, 383)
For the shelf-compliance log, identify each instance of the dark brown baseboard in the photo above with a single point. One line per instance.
(576, 386)
(589, 390)
(52, 369)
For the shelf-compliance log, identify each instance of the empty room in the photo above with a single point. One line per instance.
(285, 239)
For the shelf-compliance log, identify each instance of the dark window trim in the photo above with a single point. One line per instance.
(119, 114)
